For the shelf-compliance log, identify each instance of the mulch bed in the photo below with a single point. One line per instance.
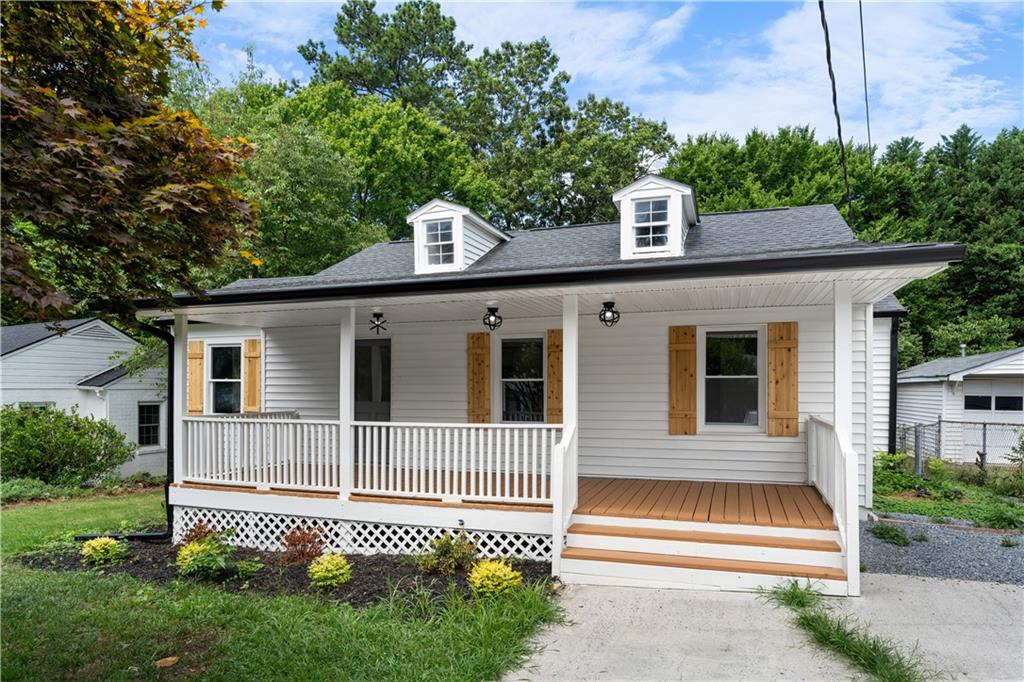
(373, 577)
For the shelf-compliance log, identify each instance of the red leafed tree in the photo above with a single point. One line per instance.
(108, 195)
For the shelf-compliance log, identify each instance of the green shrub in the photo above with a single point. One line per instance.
(891, 474)
(887, 532)
(328, 571)
(493, 577)
(1001, 516)
(207, 559)
(23, 489)
(448, 554)
(58, 447)
(247, 568)
(103, 551)
(936, 470)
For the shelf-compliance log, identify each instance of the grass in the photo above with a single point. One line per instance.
(1007, 541)
(891, 533)
(879, 658)
(92, 626)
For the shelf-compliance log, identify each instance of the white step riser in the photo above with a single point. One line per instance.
(737, 528)
(583, 572)
(706, 549)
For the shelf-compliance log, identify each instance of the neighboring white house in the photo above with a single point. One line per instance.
(40, 366)
(673, 398)
(959, 395)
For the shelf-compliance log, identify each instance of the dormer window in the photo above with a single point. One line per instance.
(650, 224)
(440, 244)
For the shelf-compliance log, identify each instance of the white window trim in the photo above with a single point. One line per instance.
(208, 393)
(762, 376)
(420, 240)
(667, 248)
(427, 244)
(160, 426)
(496, 380)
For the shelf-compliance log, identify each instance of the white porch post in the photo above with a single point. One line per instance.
(179, 393)
(346, 397)
(842, 363)
(570, 382)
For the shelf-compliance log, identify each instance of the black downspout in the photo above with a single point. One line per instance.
(894, 368)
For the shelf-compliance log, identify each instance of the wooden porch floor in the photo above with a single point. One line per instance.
(759, 504)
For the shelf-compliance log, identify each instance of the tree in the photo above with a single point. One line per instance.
(409, 56)
(108, 195)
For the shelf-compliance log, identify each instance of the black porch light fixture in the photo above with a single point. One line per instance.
(377, 323)
(609, 316)
(492, 320)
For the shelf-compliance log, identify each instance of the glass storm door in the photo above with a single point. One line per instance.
(373, 380)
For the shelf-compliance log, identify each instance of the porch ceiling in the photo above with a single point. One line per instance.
(766, 291)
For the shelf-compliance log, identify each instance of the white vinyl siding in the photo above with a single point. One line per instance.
(859, 436)
(301, 370)
(919, 403)
(475, 242)
(880, 367)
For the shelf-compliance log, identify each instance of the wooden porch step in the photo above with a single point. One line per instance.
(708, 537)
(703, 563)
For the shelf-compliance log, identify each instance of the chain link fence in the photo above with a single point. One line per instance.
(959, 441)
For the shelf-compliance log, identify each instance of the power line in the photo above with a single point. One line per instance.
(835, 108)
(864, 68)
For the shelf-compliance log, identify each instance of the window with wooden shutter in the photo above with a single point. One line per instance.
(196, 376)
(478, 377)
(554, 387)
(682, 381)
(253, 375)
(783, 379)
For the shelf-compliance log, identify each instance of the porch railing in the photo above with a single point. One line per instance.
(565, 484)
(455, 462)
(832, 469)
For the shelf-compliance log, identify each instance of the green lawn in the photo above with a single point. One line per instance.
(91, 626)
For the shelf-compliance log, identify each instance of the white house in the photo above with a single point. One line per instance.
(41, 366)
(674, 398)
(976, 402)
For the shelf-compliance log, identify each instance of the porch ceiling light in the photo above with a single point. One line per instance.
(492, 320)
(609, 316)
(377, 323)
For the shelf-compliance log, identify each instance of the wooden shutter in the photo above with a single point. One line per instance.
(783, 398)
(682, 381)
(554, 378)
(252, 375)
(478, 377)
(196, 376)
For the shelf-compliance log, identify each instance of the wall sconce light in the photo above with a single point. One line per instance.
(609, 316)
(377, 323)
(492, 320)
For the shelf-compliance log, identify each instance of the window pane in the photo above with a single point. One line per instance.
(440, 254)
(226, 362)
(731, 354)
(522, 401)
(977, 402)
(149, 425)
(440, 231)
(1010, 403)
(227, 397)
(522, 359)
(730, 401)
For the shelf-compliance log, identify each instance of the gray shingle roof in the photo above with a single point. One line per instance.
(888, 306)
(104, 378)
(944, 367)
(18, 336)
(740, 235)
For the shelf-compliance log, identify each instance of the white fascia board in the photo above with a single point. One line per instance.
(475, 218)
(980, 368)
(922, 380)
(651, 179)
(435, 204)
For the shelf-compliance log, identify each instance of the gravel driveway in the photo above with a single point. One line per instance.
(948, 553)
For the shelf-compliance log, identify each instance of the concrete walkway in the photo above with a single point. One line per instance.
(971, 630)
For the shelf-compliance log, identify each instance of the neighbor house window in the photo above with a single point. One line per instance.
(226, 379)
(440, 245)
(522, 380)
(1010, 403)
(732, 384)
(149, 424)
(650, 223)
(977, 402)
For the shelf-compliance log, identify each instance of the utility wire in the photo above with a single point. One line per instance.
(864, 68)
(835, 108)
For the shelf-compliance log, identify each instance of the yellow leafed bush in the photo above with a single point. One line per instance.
(99, 551)
(491, 576)
(329, 570)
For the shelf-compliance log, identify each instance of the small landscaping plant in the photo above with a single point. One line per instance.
(209, 558)
(920, 537)
(301, 544)
(247, 568)
(491, 576)
(198, 531)
(448, 554)
(1007, 541)
(329, 571)
(1002, 516)
(887, 532)
(891, 474)
(103, 551)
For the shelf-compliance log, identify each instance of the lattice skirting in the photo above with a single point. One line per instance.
(259, 530)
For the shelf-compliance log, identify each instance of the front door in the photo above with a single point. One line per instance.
(373, 380)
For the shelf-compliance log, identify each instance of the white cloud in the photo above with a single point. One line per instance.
(231, 61)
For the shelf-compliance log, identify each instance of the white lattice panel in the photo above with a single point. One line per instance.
(259, 530)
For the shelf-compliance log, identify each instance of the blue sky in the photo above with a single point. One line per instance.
(717, 66)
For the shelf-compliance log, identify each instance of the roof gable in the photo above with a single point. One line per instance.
(944, 368)
(19, 336)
